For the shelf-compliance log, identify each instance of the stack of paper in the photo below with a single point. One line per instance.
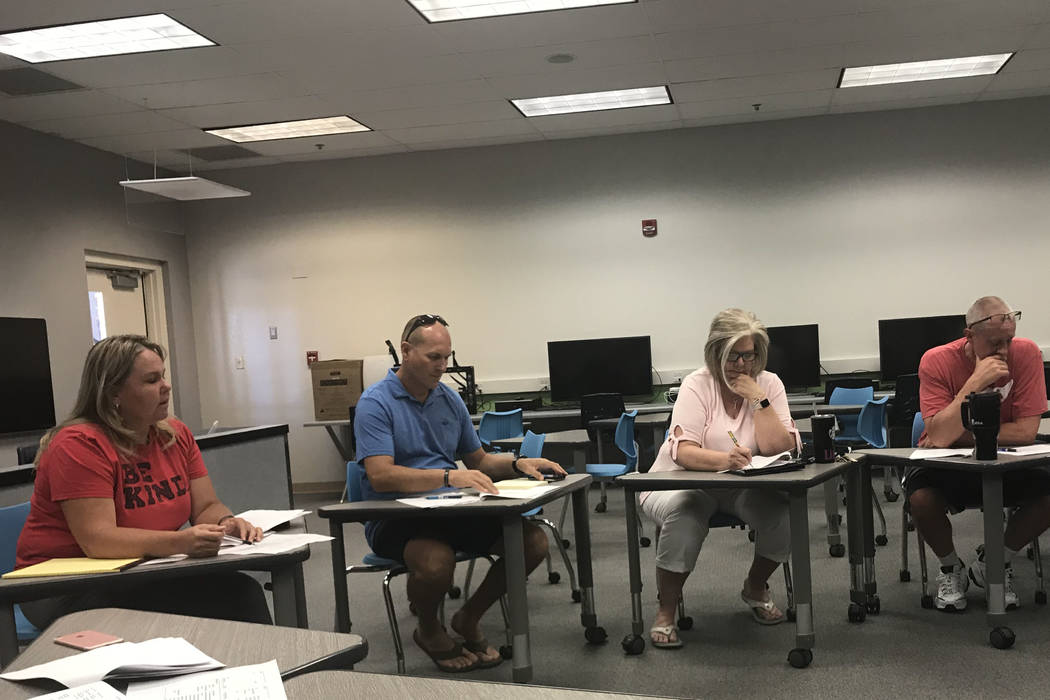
(258, 682)
(519, 488)
(156, 658)
(99, 690)
(935, 452)
(269, 519)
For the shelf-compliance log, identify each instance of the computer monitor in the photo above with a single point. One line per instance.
(620, 365)
(902, 341)
(27, 401)
(794, 355)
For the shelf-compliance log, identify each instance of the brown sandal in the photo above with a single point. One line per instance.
(444, 655)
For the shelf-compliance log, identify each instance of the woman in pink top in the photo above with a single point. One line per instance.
(731, 394)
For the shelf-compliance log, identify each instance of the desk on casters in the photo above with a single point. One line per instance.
(1001, 636)
(510, 511)
(863, 595)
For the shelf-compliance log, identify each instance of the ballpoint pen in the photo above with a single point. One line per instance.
(733, 438)
(438, 496)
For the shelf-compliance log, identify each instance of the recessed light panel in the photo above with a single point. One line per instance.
(923, 70)
(289, 130)
(104, 38)
(449, 10)
(593, 101)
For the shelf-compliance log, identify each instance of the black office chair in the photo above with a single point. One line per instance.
(27, 453)
(595, 406)
(899, 416)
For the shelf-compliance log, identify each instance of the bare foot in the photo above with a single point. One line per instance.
(471, 632)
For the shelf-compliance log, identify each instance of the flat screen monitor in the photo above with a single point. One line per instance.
(27, 402)
(794, 355)
(902, 341)
(620, 365)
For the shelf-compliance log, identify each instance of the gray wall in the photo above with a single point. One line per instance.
(59, 199)
(839, 220)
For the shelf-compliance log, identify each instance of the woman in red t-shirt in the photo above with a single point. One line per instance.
(119, 479)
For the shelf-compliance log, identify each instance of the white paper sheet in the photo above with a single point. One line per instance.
(94, 665)
(935, 452)
(275, 543)
(269, 519)
(532, 492)
(424, 502)
(257, 682)
(1040, 449)
(98, 690)
(758, 462)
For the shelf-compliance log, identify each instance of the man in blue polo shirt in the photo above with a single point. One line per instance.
(410, 428)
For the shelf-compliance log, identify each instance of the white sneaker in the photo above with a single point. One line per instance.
(951, 589)
(978, 571)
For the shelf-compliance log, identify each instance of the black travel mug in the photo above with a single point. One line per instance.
(823, 437)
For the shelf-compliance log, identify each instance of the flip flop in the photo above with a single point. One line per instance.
(767, 605)
(444, 655)
(667, 631)
(479, 647)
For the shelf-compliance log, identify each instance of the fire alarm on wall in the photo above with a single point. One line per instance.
(648, 227)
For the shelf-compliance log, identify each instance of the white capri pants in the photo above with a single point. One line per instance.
(682, 517)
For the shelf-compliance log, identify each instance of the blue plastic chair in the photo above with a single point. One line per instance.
(498, 425)
(918, 425)
(624, 439)
(871, 423)
(847, 431)
(12, 520)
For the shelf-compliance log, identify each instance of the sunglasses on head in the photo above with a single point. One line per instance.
(422, 321)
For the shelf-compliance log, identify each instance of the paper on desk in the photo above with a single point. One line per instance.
(99, 690)
(163, 656)
(257, 682)
(269, 519)
(518, 490)
(275, 543)
(935, 452)
(1040, 449)
(760, 462)
(424, 502)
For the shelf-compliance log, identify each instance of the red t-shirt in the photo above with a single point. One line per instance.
(150, 491)
(944, 369)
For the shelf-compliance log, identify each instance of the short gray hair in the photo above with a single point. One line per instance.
(727, 329)
(979, 309)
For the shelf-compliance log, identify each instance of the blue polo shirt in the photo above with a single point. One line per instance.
(427, 435)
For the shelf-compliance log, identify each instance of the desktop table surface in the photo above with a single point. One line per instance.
(808, 476)
(577, 436)
(233, 643)
(897, 456)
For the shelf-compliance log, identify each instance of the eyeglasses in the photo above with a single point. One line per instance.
(732, 357)
(422, 321)
(1003, 319)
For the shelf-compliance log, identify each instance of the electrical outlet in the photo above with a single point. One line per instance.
(678, 379)
(238, 362)
(273, 332)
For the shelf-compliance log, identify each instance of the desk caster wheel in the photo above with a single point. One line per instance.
(553, 577)
(874, 605)
(750, 535)
(905, 576)
(455, 592)
(800, 658)
(837, 550)
(1002, 637)
(576, 596)
(506, 651)
(881, 540)
(645, 541)
(792, 615)
(892, 496)
(856, 612)
(1040, 597)
(633, 645)
(835, 519)
(685, 623)
(595, 635)
(600, 508)
(566, 544)
(927, 602)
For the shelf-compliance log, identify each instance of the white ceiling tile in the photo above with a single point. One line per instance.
(264, 86)
(473, 130)
(408, 70)
(129, 143)
(338, 155)
(1030, 59)
(657, 114)
(476, 142)
(755, 85)
(573, 81)
(918, 91)
(589, 55)
(988, 95)
(612, 130)
(157, 67)
(261, 112)
(909, 103)
(740, 119)
(756, 63)
(778, 102)
(1021, 80)
(74, 103)
(199, 165)
(331, 142)
(411, 96)
(671, 15)
(431, 116)
(370, 49)
(140, 122)
(1039, 38)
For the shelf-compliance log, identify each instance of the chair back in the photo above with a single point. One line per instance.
(850, 396)
(871, 423)
(905, 400)
(595, 406)
(354, 471)
(917, 426)
(497, 425)
(532, 445)
(27, 453)
(847, 383)
(625, 439)
(12, 519)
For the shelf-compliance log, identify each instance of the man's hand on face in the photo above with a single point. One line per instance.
(988, 371)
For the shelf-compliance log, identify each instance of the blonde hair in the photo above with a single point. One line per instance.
(109, 363)
(727, 329)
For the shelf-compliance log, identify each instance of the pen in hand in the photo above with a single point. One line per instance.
(733, 438)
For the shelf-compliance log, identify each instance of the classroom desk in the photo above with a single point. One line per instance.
(510, 511)
(1001, 636)
(796, 484)
(837, 409)
(233, 643)
(286, 575)
(643, 409)
(1044, 430)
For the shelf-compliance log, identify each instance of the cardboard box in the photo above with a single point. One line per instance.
(337, 387)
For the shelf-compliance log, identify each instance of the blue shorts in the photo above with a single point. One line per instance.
(471, 535)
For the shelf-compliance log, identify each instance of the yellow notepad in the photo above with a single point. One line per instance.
(73, 566)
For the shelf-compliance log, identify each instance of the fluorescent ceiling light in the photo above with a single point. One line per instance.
(923, 70)
(593, 101)
(289, 130)
(104, 38)
(449, 10)
(185, 188)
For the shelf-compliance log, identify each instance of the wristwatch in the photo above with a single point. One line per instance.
(760, 403)
(447, 470)
(514, 467)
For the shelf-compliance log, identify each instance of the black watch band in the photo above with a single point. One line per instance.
(447, 471)
(764, 403)
(514, 467)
